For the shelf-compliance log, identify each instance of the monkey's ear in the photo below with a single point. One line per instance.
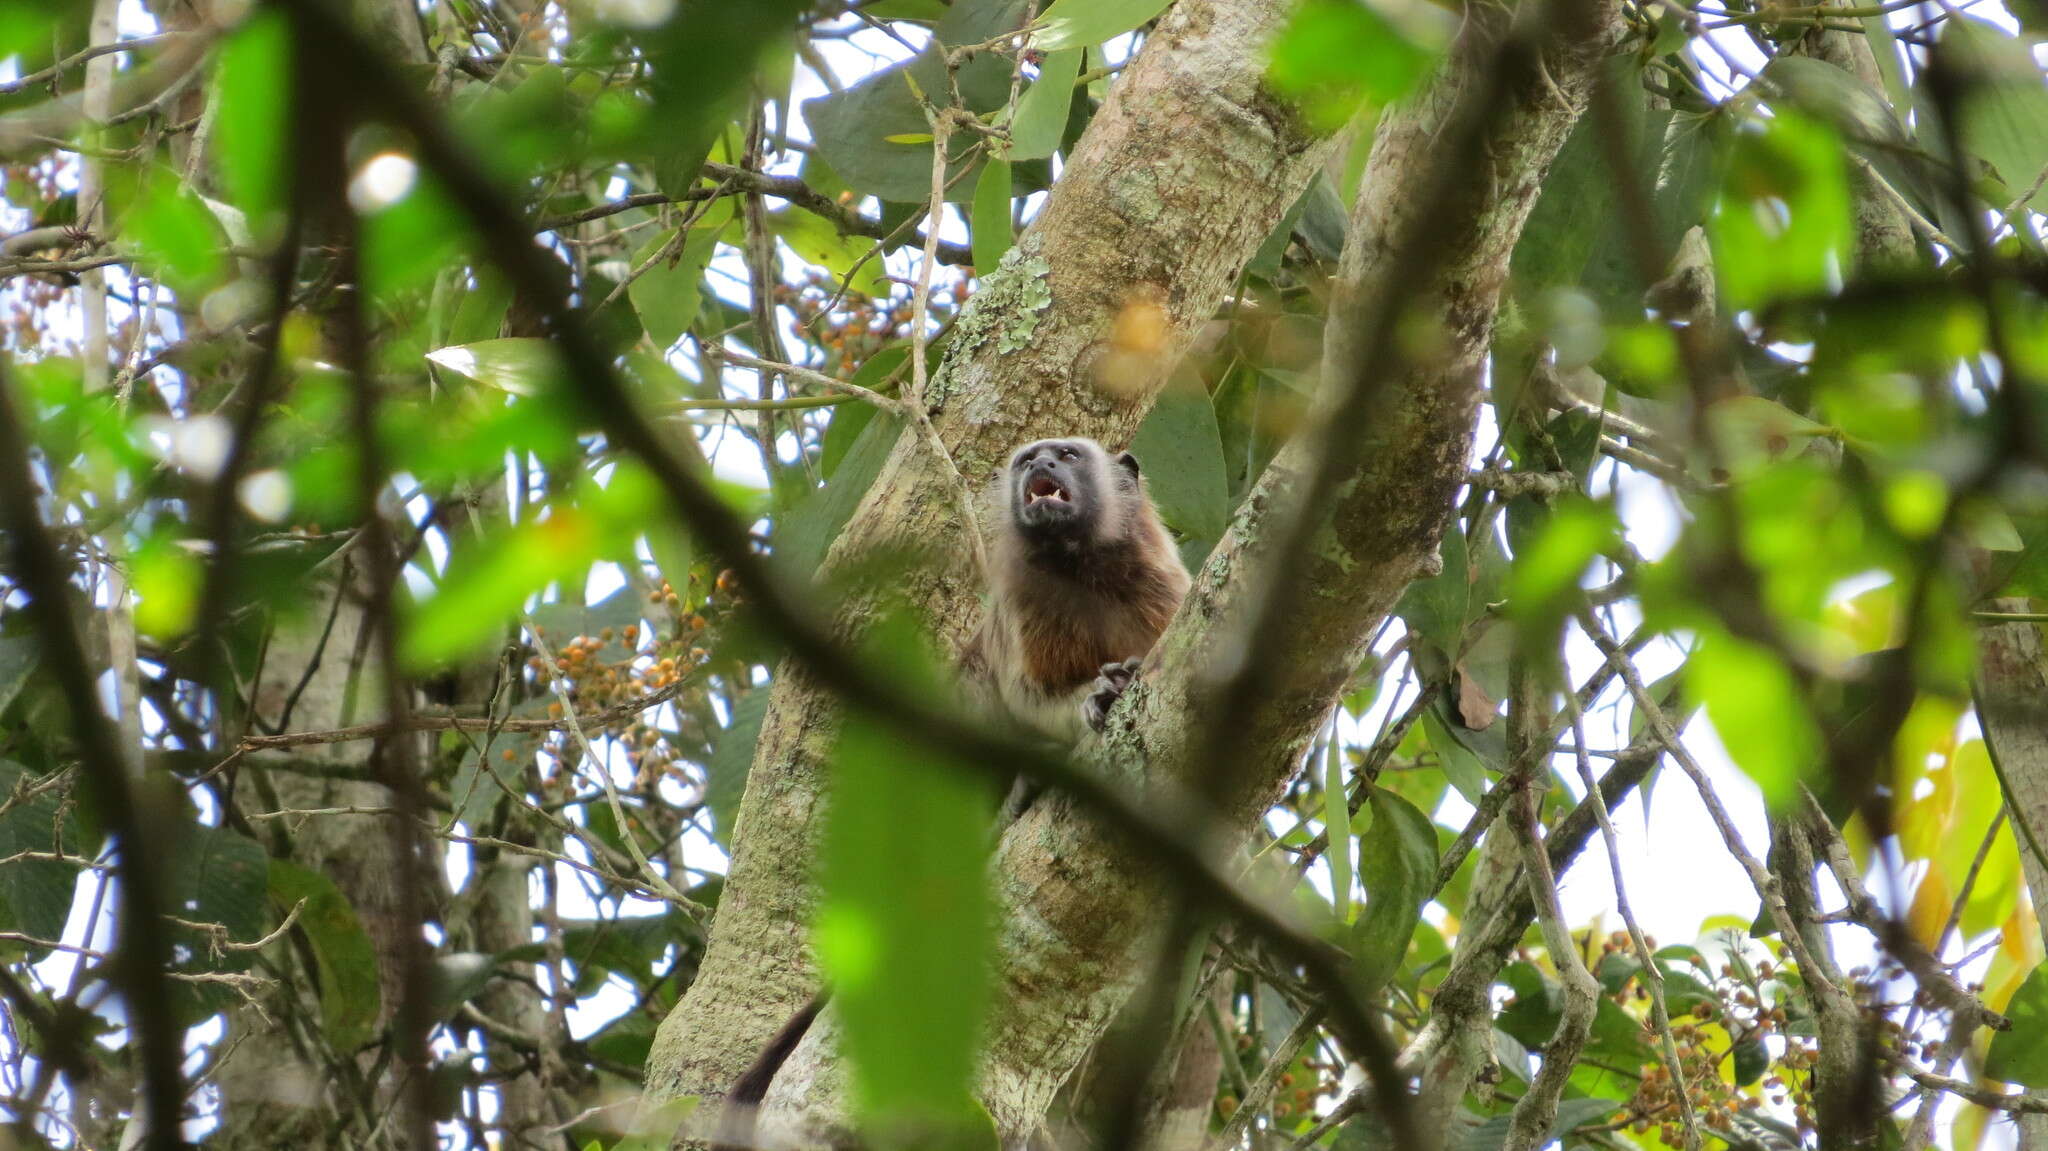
(1128, 462)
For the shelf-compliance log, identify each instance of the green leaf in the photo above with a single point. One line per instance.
(1753, 432)
(1492, 1134)
(2021, 1054)
(1546, 572)
(489, 580)
(480, 314)
(1180, 451)
(1337, 56)
(853, 128)
(254, 105)
(347, 961)
(701, 56)
(1337, 824)
(726, 771)
(172, 228)
(990, 218)
(456, 978)
(1834, 95)
(807, 531)
(17, 661)
(35, 894)
(2005, 114)
(474, 794)
(1042, 110)
(903, 930)
(1756, 708)
(215, 877)
(166, 578)
(1462, 766)
(667, 294)
(1398, 869)
(1784, 226)
(816, 241)
(408, 242)
(521, 365)
(850, 420)
(1082, 23)
(1575, 210)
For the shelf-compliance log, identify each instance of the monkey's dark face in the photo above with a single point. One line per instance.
(1064, 489)
(1055, 486)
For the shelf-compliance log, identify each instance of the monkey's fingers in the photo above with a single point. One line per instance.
(1118, 674)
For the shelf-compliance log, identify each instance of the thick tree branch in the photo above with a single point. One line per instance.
(1022, 362)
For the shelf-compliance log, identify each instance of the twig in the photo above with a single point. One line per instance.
(807, 375)
(1510, 484)
(920, 325)
(42, 75)
(1765, 884)
(601, 719)
(1651, 975)
(1254, 1099)
(1939, 984)
(1529, 1126)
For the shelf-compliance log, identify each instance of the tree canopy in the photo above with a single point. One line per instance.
(491, 491)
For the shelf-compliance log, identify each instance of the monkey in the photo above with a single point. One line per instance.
(1083, 580)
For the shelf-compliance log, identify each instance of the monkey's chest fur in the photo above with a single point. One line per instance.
(1067, 619)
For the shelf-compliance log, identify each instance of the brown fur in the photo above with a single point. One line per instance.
(1059, 612)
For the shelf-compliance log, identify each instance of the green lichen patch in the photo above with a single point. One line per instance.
(1009, 305)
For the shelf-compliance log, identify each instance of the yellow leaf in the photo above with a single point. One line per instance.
(909, 138)
(1932, 901)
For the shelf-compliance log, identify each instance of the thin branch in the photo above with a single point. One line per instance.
(1647, 969)
(1260, 1091)
(810, 376)
(1760, 878)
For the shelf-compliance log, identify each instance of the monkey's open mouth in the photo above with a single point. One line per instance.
(1045, 488)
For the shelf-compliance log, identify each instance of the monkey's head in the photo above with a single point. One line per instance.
(1069, 490)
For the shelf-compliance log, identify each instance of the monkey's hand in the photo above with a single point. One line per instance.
(1109, 687)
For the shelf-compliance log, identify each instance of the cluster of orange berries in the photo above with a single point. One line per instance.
(1739, 1012)
(601, 677)
(860, 325)
(1294, 1096)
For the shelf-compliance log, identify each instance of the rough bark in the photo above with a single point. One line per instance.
(2012, 705)
(1083, 909)
(1184, 170)
(274, 1083)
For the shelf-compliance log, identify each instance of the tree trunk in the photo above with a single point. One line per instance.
(1083, 908)
(1183, 172)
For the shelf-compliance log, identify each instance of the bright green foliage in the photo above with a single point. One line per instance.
(903, 931)
(1397, 865)
(1782, 229)
(1042, 111)
(2021, 1054)
(1337, 56)
(255, 111)
(991, 216)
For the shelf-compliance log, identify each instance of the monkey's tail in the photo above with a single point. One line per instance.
(743, 1101)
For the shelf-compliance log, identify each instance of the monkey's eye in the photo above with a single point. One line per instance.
(1069, 454)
